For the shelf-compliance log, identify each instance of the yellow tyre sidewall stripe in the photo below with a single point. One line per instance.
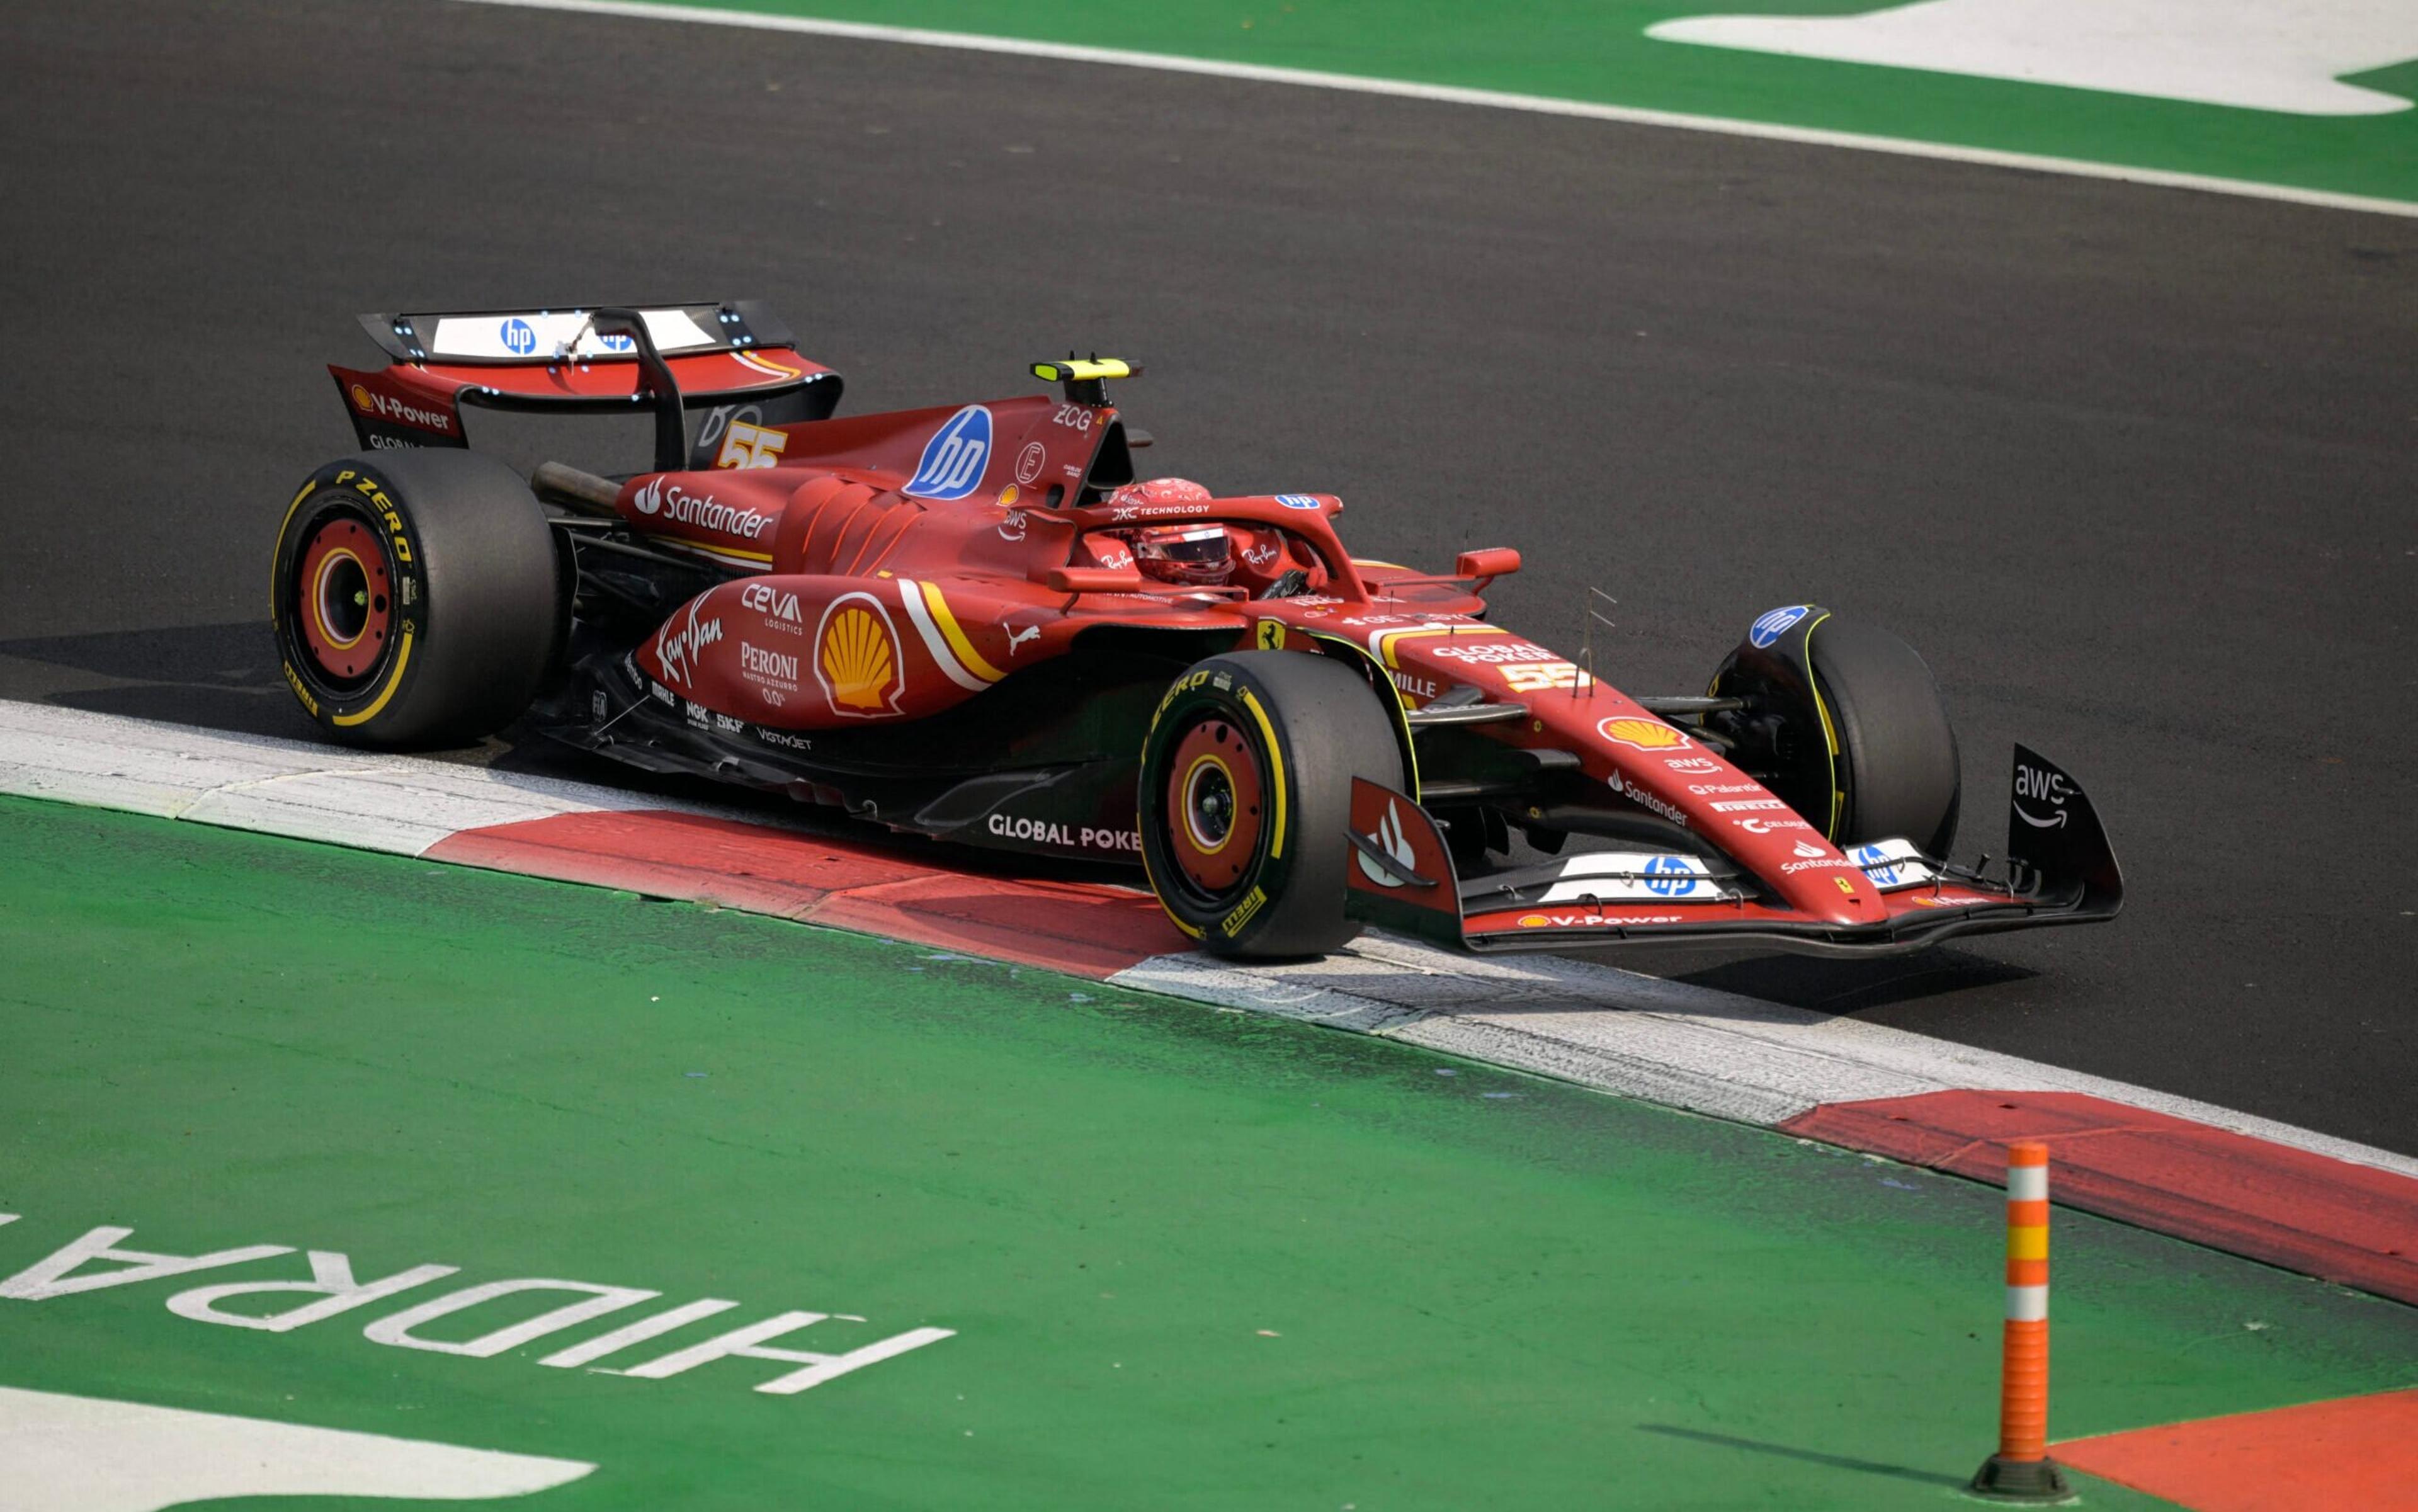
(393, 681)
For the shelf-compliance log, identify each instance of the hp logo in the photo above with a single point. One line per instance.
(952, 465)
(1776, 624)
(1669, 876)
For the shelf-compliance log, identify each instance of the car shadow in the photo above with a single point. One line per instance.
(221, 677)
(1814, 1457)
(225, 678)
(1828, 984)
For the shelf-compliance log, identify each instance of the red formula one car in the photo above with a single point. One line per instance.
(973, 622)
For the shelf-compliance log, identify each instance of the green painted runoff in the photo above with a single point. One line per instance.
(1597, 51)
(1190, 1259)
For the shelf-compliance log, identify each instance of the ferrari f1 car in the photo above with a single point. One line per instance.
(973, 622)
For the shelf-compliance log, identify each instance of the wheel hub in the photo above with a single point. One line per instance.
(1215, 805)
(344, 606)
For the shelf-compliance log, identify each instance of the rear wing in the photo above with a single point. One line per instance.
(735, 359)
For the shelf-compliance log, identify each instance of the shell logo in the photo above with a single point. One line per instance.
(1534, 921)
(856, 658)
(1643, 734)
(361, 398)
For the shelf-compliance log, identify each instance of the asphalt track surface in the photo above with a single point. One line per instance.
(2131, 467)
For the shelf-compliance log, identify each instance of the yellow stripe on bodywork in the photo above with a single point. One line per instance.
(1394, 706)
(972, 659)
(1830, 734)
(757, 361)
(1276, 766)
(394, 680)
(731, 554)
(1385, 639)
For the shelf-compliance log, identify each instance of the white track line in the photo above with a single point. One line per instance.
(1672, 1043)
(1454, 95)
(398, 804)
(1640, 1036)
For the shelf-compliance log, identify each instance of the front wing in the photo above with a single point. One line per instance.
(2059, 869)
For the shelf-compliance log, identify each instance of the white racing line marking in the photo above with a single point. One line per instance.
(1666, 1042)
(369, 801)
(2243, 54)
(1672, 1043)
(99, 1456)
(1456, 94)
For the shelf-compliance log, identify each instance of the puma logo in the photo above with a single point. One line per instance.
(1018, 637)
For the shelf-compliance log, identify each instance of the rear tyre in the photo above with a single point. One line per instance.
(1246, 797)
(416, 598)
(1843, 722)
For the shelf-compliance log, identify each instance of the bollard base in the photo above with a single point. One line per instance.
(2037, 1481)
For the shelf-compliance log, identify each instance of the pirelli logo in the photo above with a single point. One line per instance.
(1244, 913)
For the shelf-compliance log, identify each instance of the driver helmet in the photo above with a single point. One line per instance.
(1160, 491)
(1199, 554)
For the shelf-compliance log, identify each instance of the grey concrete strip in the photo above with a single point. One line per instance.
(1667, 1042)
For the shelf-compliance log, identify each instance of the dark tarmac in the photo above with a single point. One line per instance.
(2132, 468)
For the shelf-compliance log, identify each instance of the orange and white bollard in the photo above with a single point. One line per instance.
(2022, 1471)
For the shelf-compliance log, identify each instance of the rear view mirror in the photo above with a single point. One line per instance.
(1490, 564)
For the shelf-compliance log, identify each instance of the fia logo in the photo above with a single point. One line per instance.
(519, 336)
(1393, 842)
(952, 464)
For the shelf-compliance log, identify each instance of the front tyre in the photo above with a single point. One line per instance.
(416, 597)
(1246, 793)
(1845, 722)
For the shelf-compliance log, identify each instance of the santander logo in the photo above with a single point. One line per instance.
(1393, 842)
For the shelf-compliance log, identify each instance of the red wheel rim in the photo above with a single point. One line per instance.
(344, 598)
(1215, 811)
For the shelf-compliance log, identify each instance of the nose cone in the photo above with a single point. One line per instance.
(1814, 878)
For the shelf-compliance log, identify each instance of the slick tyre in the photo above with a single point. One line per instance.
(1897, 753)
(1246, 792)
(416, 598)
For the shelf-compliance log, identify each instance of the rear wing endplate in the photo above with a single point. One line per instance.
(735, 358)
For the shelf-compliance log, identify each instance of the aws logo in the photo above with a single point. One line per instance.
(952, 464)
(856, 657)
